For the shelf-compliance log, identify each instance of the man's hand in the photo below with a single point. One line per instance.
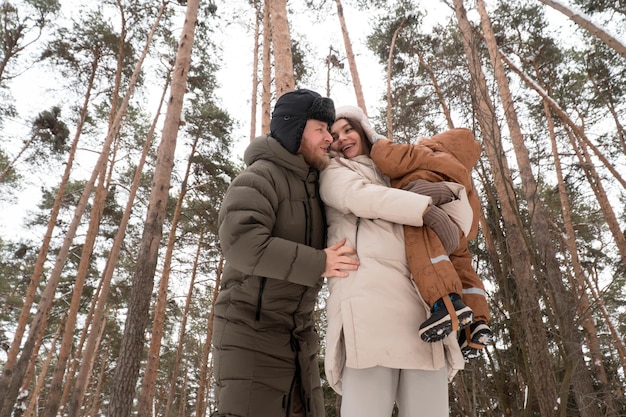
(338, 262)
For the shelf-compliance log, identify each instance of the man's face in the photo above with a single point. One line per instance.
(315, 143)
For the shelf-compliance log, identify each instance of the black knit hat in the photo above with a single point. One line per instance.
(291, 112)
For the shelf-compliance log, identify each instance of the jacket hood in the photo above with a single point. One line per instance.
(267, 148)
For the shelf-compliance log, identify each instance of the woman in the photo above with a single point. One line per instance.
(374, 354)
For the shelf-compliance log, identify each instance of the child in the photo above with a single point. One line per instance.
(448, 156)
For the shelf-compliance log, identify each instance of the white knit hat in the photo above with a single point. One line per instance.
(354, 112)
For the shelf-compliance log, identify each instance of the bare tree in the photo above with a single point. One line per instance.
(255, 69)
(534, 336)
(565, 303)
(127, 369)
(281, 42)
(146, 396)
(356, 80)
(107, 275)
(267, 69)
(45, 244)
(389, 62)
(205, 377)
(601, 195)
(587, 24)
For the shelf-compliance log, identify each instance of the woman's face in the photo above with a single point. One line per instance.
(346, 140)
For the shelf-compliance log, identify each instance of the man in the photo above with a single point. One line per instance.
(272, 232)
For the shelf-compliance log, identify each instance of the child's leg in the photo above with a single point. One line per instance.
(431, 268)
(473, 292)
(437, 282)
(474, 338)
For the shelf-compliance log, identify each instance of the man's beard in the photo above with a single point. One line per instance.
(317, 162)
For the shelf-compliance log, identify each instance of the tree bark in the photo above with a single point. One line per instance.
(129, 360)
(45, 244)
(281, 41)
(146, 397)
(183, 328)
(356, 80)
(564, 302)
(389, 61)
(266, 99)
(535, 341)
(578, 279)
(204, 366)
(255, 71)
(580, 19)
(97, 323)
(613, 224)
(56, 385)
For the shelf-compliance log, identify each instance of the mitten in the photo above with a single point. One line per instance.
(446, 229)
(436, 190)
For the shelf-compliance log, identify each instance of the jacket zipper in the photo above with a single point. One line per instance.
(259, 302)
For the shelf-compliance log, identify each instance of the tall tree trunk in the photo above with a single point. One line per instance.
(14, 349)
(45, 304)
(107, 274)
(389, 62)
(146, 396)
(281, 42)
(610, 104)
(127, 369)
(356, 80)
(266, 99)
(595, 180)
(255, 70)
(40, 381)
(616, 337)
(607, 210)
(442, 101)
(56, 385)
(182, 409)
(204, 374)
(564, 301)
(578, 280)
(71, 373)
(534, 336)
(97, 392)
(183, 327)
(597, 31)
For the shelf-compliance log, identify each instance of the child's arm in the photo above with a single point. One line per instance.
(395, 160)
(438, 191)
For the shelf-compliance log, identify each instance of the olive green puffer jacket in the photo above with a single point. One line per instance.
(272, 233)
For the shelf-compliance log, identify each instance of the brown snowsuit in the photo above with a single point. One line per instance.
(448, 156)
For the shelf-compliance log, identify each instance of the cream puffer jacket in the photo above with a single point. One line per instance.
(374, 314)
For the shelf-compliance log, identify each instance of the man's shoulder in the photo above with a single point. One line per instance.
(263, 173)
(265, 167)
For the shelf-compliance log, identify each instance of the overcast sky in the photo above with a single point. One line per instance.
(32, 89)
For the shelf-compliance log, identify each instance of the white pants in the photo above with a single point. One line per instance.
(372, 392)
